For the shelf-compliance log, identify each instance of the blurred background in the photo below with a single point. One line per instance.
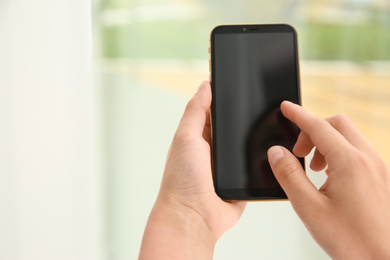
(152, 56)
(91, 92)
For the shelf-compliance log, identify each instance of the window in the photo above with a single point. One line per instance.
(153, 55)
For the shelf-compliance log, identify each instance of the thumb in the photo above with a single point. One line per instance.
(291, 176)
(194, 117)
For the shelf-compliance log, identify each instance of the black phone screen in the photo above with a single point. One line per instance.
(254, 68)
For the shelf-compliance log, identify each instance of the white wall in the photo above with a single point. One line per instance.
(47, 181)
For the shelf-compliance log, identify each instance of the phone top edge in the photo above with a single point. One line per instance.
(229, 28)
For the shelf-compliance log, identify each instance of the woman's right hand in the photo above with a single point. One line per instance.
(349, 216)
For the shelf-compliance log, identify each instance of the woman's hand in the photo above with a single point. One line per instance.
(349, 215)
(188, 217)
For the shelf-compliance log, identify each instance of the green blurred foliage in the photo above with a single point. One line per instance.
(156, 40)
(188, 39)
(345, 42)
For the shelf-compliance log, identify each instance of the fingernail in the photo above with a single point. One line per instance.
(275, 153)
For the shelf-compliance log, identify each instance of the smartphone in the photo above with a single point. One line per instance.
(253, 69)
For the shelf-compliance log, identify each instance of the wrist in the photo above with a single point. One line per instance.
(176, 231)
(357, 248)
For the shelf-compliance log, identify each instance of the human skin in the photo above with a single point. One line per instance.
(188, 217)
(349, 215)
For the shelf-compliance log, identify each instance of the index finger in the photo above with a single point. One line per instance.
(322, 134)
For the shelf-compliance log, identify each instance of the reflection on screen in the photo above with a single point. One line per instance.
(254, 73)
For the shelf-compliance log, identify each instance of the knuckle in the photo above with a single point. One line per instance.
(376, 166)
(286, 171)
(366, 164)
(339, 120)
(316, 125)
(383, 170)
(319, 122)
(355, 158)
(183, 136)
(362, 160)
(190, 105)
